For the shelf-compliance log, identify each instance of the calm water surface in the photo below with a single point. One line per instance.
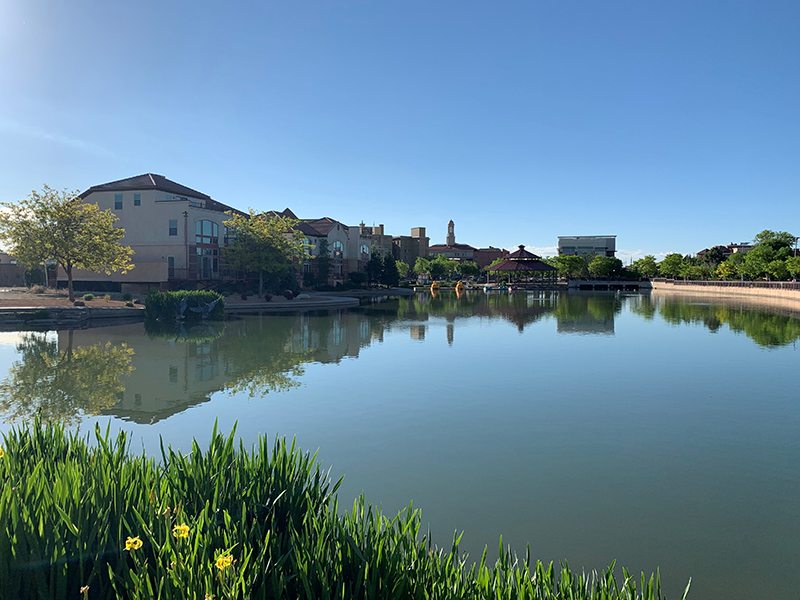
(659, 432)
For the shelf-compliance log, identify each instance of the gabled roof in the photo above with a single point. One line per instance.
(148, 181)
(287, 212)
(319, 227)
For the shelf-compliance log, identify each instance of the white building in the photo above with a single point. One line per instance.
(600, 245)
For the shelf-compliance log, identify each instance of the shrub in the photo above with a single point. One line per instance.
(107, 298)
(129, 304)
(88, 297)
(162, 305)
(231, 523)
(288, 294)
(126, 296)
(37, 289)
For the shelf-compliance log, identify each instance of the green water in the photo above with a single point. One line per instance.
(661, 433)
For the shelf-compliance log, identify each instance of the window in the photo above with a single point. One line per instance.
(338, 249)
(117, 201)
(206, 232)
(173, 374)
(173, 226)
(137, 199)
(170, 266)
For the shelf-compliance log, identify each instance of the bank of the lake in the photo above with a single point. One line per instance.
(775, 297)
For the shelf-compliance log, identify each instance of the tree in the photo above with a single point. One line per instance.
(468, 268)
(793, 266)
(605, 266)
(671, 265)
(58, 226)
(727, 270)
(375, 268)
(645, 267)
(403, 269)
(323, 263)
(422, 265)
(714, 256)
(571, 265)
(390, 275)
(778, 270)
(264, 244)
(774, 239)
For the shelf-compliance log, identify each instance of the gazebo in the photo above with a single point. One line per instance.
(524, 264)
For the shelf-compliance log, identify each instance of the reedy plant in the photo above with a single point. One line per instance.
(232, 523)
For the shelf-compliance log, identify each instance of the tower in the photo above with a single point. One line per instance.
(451, 233)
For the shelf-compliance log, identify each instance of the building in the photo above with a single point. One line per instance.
(176, 234)
(337, 236)
(486, 256)
(379, 242)
(408, 248)
(728, 250)
(451, 249)
(600, 245)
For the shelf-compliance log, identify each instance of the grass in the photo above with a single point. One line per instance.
(232, 522)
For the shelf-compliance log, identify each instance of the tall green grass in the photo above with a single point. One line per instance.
(258, 523)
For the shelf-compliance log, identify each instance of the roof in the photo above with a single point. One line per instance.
(148, 181)
(451, 247)
(319, 227)
(521, 265)
(151, 181)
(286, 212)
(522, 254)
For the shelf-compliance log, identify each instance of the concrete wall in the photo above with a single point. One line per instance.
(764, 296)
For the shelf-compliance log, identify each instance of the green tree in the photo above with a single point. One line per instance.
(422, 265)
(727, 270)
(645, 267)
(375, 268)
(571, 265)
(263, 244)
(671, 265)
(774, 239)
(323, 263)
(793, 266)
(777, 270)
(58, 226)
(468, 268)
(390, 276)
(605, 266)
(756, 260)
(403, 268)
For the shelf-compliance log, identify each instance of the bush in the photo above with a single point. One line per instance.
(107, 298)
(163, 305)
(227, 522)
(129, 304)
(126, 296)
(33, 276)
(88, 297)
(37, 289)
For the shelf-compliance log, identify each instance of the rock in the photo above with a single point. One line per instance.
(288, 294)
(302, 297)
(79, 303)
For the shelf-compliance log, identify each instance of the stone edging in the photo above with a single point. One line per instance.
(64, 316)
(317, 303)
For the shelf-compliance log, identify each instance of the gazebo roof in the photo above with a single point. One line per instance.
(522, 254)
(521, 265)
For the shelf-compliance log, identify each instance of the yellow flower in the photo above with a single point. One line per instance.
(181, 531)
(2, 452)
(223, 562)
(133, 543)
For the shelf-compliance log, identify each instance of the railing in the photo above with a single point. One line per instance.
(775, 285)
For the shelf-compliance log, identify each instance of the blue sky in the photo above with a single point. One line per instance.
(673, 125)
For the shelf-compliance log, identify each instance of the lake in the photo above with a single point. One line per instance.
(659, 431)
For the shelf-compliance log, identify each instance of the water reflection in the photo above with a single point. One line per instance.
(147, 375)
(59, 380)
(767, 329)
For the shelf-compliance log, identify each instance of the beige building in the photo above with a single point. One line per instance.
(176, 233)
(600, 245)
(408, 248)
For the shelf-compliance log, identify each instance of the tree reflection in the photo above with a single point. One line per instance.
(764, 328)
(61, 384)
